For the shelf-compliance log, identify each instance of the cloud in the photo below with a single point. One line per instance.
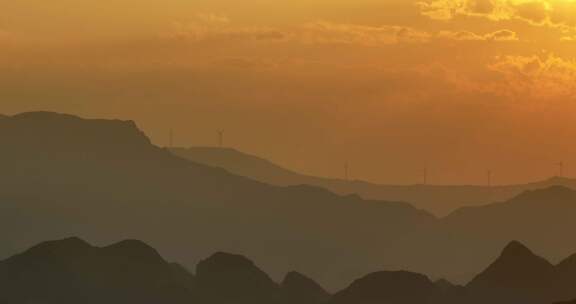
(543, 80)
(535, 12)
(328, 32)
(544, 77)
(554, 13)
(215, 27)
(501, 35)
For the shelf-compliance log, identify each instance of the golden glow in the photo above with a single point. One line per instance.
(459, 85)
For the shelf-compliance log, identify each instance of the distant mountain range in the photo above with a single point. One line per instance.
(104, 180)
(437, 199)
(71, 271)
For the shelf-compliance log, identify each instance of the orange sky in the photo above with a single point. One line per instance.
(393, 86)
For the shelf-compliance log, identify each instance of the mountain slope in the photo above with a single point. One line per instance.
(103, 179)
(437, 199)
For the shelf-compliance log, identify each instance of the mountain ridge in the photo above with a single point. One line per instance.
(437, 199)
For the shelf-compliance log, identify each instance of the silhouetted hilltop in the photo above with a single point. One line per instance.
(517, 276)
(61, 135)
(389, 287)
(59, 248)
(437, 199)
(228, 278)
(298, 288)
(72, 271)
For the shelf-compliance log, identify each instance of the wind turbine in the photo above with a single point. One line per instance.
(221, 138)
(560, 169)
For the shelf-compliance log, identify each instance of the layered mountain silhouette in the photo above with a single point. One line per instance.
(104, 180)
(437, 199)
(71, 271)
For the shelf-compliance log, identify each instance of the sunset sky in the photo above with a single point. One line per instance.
(392, 86)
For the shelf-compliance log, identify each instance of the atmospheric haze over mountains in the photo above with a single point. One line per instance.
(287, 152)
(103, 180)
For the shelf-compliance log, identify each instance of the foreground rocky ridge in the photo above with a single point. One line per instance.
(71, 271)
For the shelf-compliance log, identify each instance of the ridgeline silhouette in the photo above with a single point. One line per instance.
(71, 271)
(104, 180)
(437, 199)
